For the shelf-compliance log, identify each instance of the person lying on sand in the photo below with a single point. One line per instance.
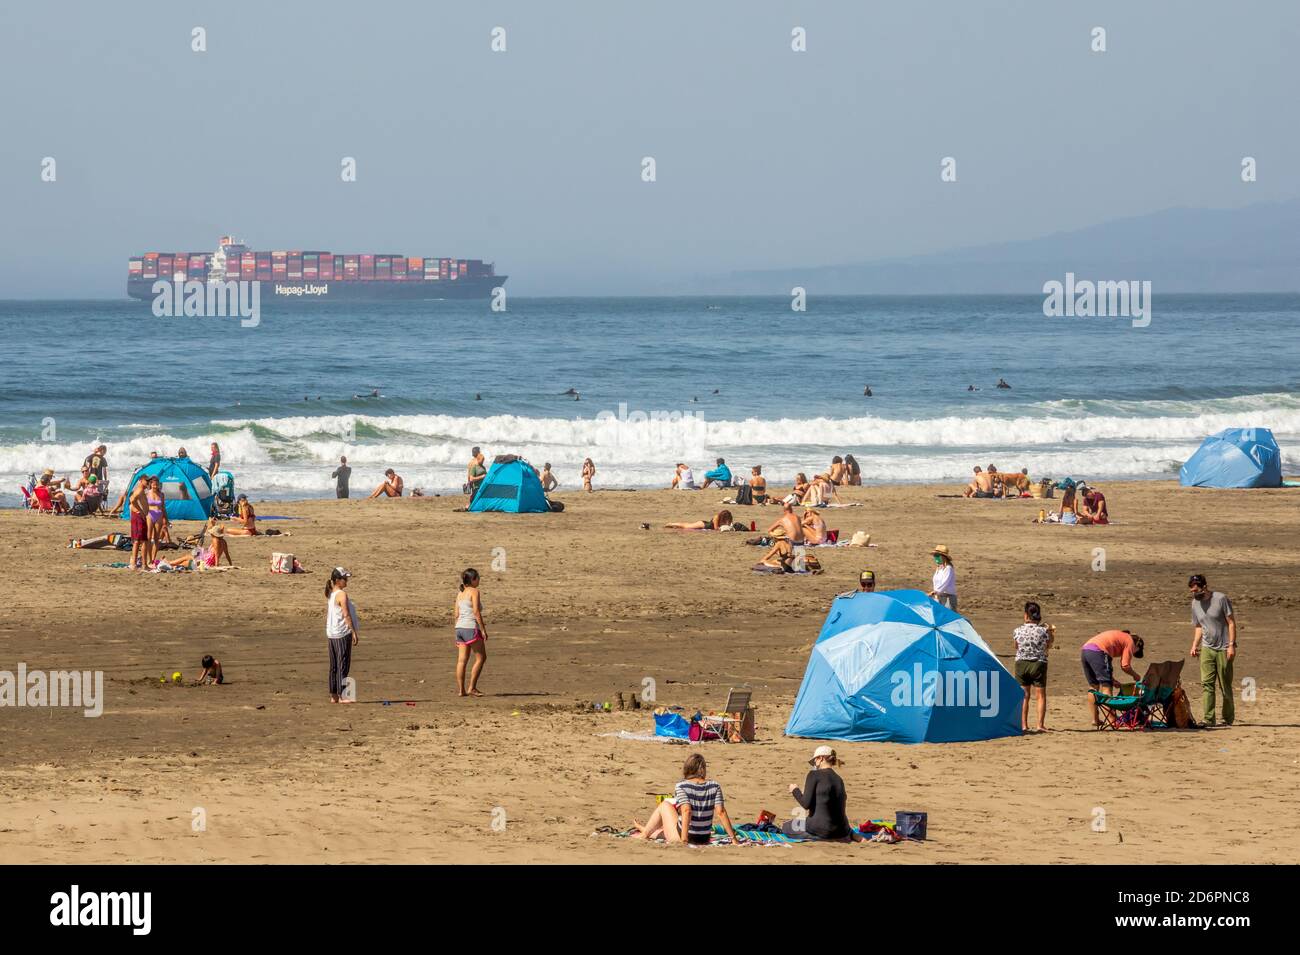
(687, 815)
(211, 675)
(391, 486)
(716, 523)
(789, 525)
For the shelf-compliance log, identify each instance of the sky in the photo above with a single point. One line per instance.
(532, 157)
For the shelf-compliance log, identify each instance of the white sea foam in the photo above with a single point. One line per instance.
(295, 454)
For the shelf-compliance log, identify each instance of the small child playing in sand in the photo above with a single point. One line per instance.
(211, 672)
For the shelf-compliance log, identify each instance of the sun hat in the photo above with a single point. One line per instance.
(942, 550)
(822, 752)
(777, 533)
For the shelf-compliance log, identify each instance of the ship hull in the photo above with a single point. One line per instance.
(296, 293)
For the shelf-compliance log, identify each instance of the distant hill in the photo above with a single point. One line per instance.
(1251, 249)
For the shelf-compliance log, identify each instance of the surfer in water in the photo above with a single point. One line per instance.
(866, 392)
(1002, 383)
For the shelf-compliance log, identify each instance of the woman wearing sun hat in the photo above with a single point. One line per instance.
(824, 798)
(945, 578)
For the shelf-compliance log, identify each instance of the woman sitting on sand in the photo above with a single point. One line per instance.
(1092, 506)
(824, 797)
(716, 523)
(800, 486)
(780, 558)
(814, 527)
(471, 633)
(687, 815)
(1068, 513)
(247, 518)
(852, 471)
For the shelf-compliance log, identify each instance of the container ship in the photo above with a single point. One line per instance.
(316, 276)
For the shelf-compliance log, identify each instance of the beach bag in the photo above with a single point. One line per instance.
(282, 563)
(555, 505)
(911, 825)
(1179, 709)
(672, 725)
(744, 494)
(811, 564)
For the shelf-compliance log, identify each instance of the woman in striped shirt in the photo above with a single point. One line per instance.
(687, 816)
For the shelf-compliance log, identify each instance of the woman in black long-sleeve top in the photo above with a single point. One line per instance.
(823, 796)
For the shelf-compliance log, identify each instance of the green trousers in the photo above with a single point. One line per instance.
(1216, 668)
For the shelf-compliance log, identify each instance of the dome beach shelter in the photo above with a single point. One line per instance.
(1235, 457)
(894, 666)
(512, 486)
(184, 485)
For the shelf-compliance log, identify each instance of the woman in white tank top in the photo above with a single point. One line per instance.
(341, 632)
(471, 633)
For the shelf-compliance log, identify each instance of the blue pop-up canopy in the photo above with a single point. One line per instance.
(1235, 457)
(510, 485)
(185, 487)
(897, 666)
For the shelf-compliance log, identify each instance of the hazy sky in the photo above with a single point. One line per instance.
(532, 157)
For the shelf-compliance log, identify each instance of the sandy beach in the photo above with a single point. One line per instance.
(585, 604)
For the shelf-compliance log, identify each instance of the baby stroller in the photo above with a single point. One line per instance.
(223, 500)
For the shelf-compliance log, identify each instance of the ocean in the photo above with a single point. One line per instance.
(659, 380)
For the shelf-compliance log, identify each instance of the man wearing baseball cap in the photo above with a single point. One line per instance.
(867, 581)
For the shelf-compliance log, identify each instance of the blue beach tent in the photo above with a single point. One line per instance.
(185, 487)
(895, 666)
(511, 485)
(1235, 457)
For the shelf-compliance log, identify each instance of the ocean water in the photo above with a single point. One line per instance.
(660, 380)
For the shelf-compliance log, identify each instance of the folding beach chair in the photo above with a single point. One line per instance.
(45, 503)
(736, 724)
(1125, 712)
(1161, 682)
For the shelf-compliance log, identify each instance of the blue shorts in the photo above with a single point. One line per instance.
(1096, 668)
(467, 635)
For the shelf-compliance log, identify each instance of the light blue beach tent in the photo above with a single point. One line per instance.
(1235, 457)
(511, 485)
(185, 487)
(894, 666)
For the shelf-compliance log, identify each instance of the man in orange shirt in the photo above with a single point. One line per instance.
(1097, 655)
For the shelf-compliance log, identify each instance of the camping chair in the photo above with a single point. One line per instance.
(736, 724)
(1161, 681)
(1125, 712)
(45, 503)
(223, 498)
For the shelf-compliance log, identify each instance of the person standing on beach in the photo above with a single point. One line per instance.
(471, 633)
(1033, 640)
(341, 475)
(341, 630)
(945, 578)
(1214, 642)
(214, 460)
(549, 483)
(139, 524)
(588, 472)
(475, 472)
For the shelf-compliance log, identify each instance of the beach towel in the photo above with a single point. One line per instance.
(718, 838)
